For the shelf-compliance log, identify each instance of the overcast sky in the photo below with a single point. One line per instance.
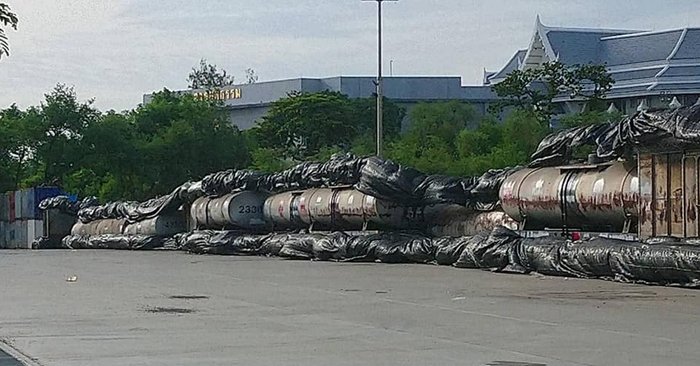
(117, 50)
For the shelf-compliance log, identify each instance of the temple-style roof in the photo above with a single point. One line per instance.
(641, 62)
(513, 64)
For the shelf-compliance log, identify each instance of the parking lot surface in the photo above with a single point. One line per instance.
(169, 308)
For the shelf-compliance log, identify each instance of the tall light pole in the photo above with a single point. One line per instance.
(379, 81)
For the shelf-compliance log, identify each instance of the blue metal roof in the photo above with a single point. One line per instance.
(638, 48)
(576, 47)
(512, 64)
(636, 74)
(677, 86)
(641, 62)
(690, 46)
(688, 71)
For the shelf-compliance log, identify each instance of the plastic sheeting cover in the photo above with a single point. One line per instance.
(136, 211)
(501, 249)
(111, 241)
(654, 128)
(377, 177)
(64, 204)
(662, 263)
(45, 242)
(557, 148)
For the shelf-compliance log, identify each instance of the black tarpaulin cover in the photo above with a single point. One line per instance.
(45, 242)
(557, 148)
(136, 211)
(113, 241)
(661, 128)
(663, 263)
(374, 176)
(64, 204)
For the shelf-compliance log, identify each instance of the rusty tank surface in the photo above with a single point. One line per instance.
(161, 225)
(99, 227)
(282, 210)
(340, 208)
(238, 210)
(590, 197)
(456, 220)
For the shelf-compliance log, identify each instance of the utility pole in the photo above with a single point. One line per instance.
(379, 82)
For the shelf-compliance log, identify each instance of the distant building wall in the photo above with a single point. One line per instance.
(247, 103)
(245, 118)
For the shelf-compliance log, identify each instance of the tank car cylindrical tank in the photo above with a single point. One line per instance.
(161, 225)
(282, 210)
(334, 208)
(99, 227)
(595, 197)
(242, 210)
(473, 223)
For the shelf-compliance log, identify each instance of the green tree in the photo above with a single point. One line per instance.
(20, 135)
(522, 133)
(429, 143)
(208, 76)
(302, 123)
(429, 154)
(250, 76)
(7, 18)
(111, 166)
(590, 118)
(268, 160)
(311, 125)
(442, 119)
(62, 121)
(534, 89)
(495, 145)
(474, 142)
(193, 138)
(365, 115)
(136, 154)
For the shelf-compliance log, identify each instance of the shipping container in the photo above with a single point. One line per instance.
(30, 205)
(3, 241)
(24, 203)
(20, 201)
(16, 235)
(35, 229)
(11, 206)
(4, 207)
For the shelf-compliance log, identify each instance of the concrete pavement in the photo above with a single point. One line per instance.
(171, 308)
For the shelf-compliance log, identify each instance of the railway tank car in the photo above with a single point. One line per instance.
(240, 210)
(161, 225)
(594, 197)
(99, 227)
(338, 208)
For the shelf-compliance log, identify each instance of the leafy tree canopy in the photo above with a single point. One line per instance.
(534, 89)
(208, 76)
(303, 124)
(464, 143)
(7, 19)
(133, 155)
